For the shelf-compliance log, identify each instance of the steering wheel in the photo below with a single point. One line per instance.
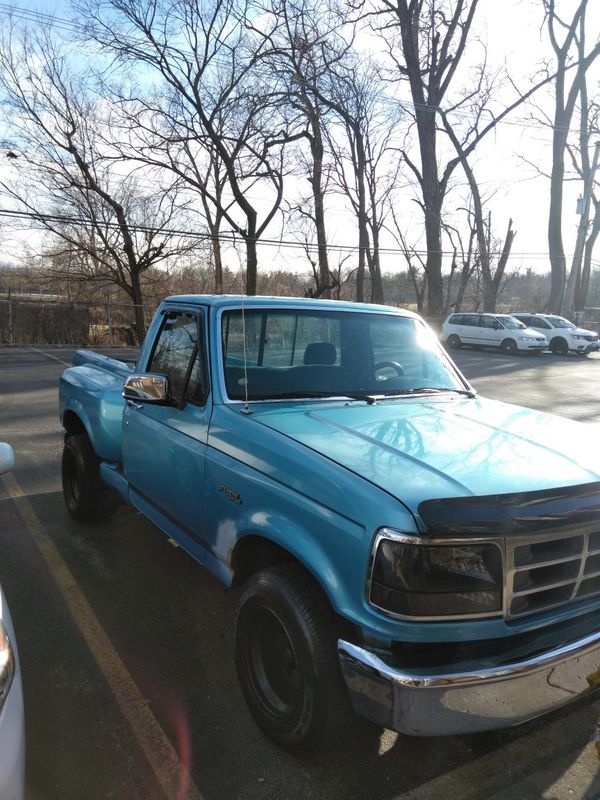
(391, 364)
(367, 376)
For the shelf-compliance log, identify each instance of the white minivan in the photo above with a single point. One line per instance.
(491, 330)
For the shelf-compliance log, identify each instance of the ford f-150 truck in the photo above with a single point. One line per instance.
(401, 545)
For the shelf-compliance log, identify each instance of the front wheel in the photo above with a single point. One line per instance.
(286, 659)
(509, 346)
(559, 346)
(453, 341)
(86, 497)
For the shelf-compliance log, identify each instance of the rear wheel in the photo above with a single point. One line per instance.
(559, 346)
(509, 346)
(287, 662)
(86, 497)
(453, 342)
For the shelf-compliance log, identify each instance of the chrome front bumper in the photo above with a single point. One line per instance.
(445, 703)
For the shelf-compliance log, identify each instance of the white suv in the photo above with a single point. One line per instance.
(562, 335)
(491, 330)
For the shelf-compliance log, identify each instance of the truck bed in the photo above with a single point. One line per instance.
(92, 390)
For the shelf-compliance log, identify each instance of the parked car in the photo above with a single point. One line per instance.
(491, 330)
(563, 336)
(401, 546)
(12, 724)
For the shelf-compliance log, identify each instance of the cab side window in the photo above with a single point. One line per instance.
(179, 354)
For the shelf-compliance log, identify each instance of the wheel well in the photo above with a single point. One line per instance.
(72, 424)
(254, 553)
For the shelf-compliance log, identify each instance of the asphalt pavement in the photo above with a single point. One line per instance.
(127, 656)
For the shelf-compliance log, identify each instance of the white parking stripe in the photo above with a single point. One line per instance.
(49, 355)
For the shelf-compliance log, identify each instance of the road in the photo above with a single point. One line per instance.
(126, 643)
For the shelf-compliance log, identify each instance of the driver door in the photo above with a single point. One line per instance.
(164, 447)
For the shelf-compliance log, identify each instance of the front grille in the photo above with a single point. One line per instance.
(551, 571)
(590, 338)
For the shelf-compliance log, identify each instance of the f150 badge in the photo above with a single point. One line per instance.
(231, 495)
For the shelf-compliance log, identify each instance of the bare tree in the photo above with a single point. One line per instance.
(367, 167)
(465, 261)
(586, 166)
(210, 100)
(572, 55)
(304, 50)
(491, 278)
(416, 265)
(64, 179)
(426, 41)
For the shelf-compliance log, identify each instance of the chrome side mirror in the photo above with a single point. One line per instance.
(7, 458)
(148, 388)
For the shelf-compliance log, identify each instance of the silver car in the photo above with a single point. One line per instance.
(12, 722)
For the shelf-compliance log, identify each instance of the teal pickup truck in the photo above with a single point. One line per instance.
(400, 545)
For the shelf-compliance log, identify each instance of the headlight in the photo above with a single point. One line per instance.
(436, 580)
(7, 664)
(577, 336)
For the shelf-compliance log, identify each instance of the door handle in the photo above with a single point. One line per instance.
(133, 404)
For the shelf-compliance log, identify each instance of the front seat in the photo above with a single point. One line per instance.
(320, 353)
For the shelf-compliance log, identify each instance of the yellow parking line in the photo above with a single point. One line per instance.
(172, 775)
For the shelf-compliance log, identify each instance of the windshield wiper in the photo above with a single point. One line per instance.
(365, 397)
(430, 390)
(302, 395)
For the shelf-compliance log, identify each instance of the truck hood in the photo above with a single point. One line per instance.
(420, 449)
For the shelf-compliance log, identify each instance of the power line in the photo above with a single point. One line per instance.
(234, 239)
(37, 16)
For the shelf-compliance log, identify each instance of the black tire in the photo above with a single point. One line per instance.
(559, 346)
(509, 346)
(453, 341)
(286, 659)
(86, 497)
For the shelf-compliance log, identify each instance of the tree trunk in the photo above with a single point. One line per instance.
(136, 297)
(433, 219)
(582, 289)
(377, 295)
(558, 263)
(317, 149)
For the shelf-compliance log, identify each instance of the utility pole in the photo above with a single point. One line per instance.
(569, 299)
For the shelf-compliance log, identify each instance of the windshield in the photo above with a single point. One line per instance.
(560, 322)
(272, 354)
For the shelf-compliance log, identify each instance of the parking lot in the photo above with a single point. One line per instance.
(126, 643)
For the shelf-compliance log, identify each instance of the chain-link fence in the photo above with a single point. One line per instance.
(70, 323)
